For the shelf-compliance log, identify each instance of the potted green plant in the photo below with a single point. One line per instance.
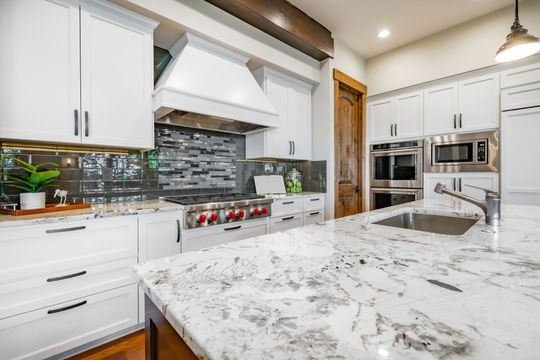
(32, 182)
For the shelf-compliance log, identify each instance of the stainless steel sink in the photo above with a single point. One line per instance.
(440, 224)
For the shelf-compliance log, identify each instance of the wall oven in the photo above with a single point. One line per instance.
(397, 165)
(396, 173)
(476, 152)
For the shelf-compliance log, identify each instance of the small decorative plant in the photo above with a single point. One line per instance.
(35, 180)
(32, 182)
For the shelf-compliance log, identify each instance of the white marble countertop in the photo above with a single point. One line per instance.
(96, 211)
(348, 289)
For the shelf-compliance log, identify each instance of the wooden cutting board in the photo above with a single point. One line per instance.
(47, 209)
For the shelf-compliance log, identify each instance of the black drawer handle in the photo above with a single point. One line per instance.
(315, 199)
(54, 311)
(59, 278)
(314, 213)
(75, 228)
(287, 218)
(288, 202)
(233, 228)
(177, 230)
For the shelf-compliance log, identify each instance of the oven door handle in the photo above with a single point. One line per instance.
(396, 152)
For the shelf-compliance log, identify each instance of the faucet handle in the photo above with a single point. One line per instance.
(488, 191)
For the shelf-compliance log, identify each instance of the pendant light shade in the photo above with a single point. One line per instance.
(519, 43)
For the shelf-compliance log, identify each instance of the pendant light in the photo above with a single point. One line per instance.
(519, 43)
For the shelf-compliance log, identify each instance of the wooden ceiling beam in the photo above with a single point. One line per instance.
(285, 22)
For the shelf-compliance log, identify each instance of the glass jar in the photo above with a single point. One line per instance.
(294, 181)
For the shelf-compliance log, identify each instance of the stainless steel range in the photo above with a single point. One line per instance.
(215, 219)
(215, 209)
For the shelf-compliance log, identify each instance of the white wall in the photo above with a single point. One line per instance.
(352, 64)
(463, 48)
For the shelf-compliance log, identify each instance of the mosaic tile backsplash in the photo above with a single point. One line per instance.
(185, 161)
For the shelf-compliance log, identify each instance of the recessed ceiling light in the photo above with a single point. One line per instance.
(383, 33)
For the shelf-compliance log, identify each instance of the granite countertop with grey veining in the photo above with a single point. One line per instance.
(349, 289)
(96, 211)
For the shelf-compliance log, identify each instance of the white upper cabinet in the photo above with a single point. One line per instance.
(116, 79)
(39, 70)
(80, 74)
(381, 120)
(440, 109)
(520, 88)
(291, 138)
(397, 118)
(409, 115)
(478, 103)
(469, 105)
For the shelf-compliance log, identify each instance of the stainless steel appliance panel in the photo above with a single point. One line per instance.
(475, 152)
(384, 197)
(397, 168)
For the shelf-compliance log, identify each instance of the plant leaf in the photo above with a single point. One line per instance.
(27, 189)
(25, 166)
(20, 178)
(46, 163)
(49, 174)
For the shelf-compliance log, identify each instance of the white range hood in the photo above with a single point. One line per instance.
(208, 86)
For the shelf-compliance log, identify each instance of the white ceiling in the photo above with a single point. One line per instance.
(357, 22)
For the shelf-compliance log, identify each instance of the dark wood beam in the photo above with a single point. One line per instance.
(285, 22)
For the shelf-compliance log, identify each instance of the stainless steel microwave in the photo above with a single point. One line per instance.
(475, 152)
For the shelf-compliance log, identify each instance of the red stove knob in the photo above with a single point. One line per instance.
(264, 211)
(230, 214)
(213, 217)
(201, 218)
(240, 214)
(255, 211)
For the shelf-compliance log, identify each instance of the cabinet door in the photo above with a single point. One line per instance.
(440, 110)
(380, 120)
(520, 88)
(299, 124)
(409, 116)
(278, 141)
(520, 173)
(430, 180)
(484, 180)
(479, 103)
(313, 217)
(39, 70)
(116, 81)
(159, 235)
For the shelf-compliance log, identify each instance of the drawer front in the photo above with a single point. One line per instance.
(313, 217)
(199, 240)
(314, 203)
(285, 222)
(287, 206)
(55, 329)
(520, 76)
(29, 251)
(53, 288)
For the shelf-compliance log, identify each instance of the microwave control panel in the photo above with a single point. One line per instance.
(481, 151)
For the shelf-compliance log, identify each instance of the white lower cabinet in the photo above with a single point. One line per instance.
(459, 182)
(285, 222)
(56, 328)
(291, 212)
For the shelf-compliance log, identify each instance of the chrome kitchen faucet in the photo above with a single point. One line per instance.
(491, 206)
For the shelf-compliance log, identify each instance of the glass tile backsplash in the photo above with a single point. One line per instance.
(185, 161)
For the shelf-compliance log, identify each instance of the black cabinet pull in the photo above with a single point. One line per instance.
(315, 199)
(395, 129)
(290, 147)
(75, 228)
(86, 126)
(177, 230)
(76, 121)
(53, 311)
(460, 122)
(233, 228)
(287, 218)
(59, 278)
(314, 213)
(455, 123)
(391, 129)
(288, 202)
(293, 147)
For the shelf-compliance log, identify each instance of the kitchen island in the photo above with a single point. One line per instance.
(350, 289)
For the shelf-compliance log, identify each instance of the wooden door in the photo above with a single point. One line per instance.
(39, 70)
(349, 125)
